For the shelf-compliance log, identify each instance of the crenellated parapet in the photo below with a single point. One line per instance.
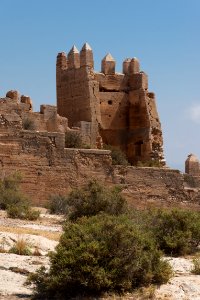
(75, 59)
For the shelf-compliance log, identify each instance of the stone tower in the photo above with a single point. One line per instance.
(114, 106)
(192, 165)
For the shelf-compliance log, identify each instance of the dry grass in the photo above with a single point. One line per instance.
(20, 230)
(21, 247)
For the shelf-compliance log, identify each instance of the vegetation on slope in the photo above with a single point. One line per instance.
(103, 249)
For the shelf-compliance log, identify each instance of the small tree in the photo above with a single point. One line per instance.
(100, 254)
(73, 139)
(118, 156)
(95, 198)
(13, 201)
(177, 231)
(57, 204)
(28, 124)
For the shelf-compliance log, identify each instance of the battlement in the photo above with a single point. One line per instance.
(75, 60)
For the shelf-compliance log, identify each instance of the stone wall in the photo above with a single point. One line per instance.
(16, 114)
(49, 168)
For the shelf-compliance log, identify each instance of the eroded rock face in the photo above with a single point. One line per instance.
(118, 105)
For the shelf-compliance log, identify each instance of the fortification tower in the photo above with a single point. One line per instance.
(116, 106)
(192, 165)
(77, 91)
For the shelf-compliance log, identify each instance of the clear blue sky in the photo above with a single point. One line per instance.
(163, 34)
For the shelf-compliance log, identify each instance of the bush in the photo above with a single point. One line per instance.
(22, 211)
(177, 231)
(94, 198)
(57, 204)
(13, 201)
(118, 156)
(73, 139)
(154, 163)
(9, 191)
(196, 266)
(28, 124)
(100, 254)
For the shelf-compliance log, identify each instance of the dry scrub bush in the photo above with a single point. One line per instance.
(118, 156)
(13, 201)
(176, 231)
(73, 139)
(100, 254)
(21, 247)
(28, 124)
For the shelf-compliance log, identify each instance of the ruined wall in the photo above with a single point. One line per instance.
(47, 167)
(118, 105)
(16, 114)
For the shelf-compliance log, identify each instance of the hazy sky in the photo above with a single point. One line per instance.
(163, 34)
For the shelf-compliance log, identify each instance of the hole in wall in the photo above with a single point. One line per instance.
(110, 102)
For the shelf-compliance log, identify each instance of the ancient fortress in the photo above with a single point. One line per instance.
(104, 108)
(111, 108)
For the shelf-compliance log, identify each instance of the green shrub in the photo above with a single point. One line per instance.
(22, 211)
(177, 231)
(196, 266)
(57, 204)
(118, 156)
(100, 254)
(154, 163)
(73, 139)
(95, 198)
(13, 201)
(28, 124)
(9, 190)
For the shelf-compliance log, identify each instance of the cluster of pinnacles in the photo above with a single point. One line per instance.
(75, 59)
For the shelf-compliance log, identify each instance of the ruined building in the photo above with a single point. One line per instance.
(110, 108)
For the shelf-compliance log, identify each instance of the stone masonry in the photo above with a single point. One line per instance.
(47, 167)
(116, 108)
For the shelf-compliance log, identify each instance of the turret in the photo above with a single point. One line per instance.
(86, 56)
(61, 62)
(73, 58)
(108, 65)
(131, 66)
(192, 165)
(126, 66)
(134, 66)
